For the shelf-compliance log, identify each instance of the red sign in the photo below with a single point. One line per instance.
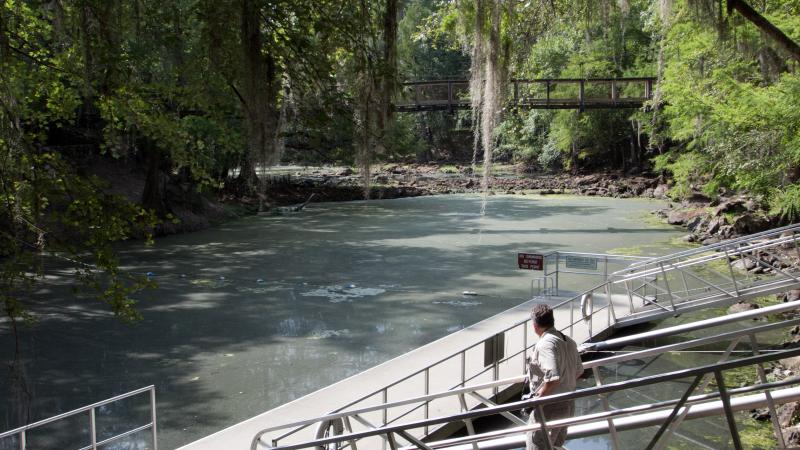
(530, 261)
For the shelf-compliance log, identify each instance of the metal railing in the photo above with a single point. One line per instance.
(470, 358)
(21, 433)
(696, 278)
(677, 415)
(349, 416)
(598, 265)
(552, 93)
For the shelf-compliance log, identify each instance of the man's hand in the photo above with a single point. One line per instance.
(547, 388)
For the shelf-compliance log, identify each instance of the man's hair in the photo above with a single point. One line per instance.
(542, 315)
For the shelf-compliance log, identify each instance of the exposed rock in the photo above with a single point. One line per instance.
(732, 205)
(788, 413)
(792, 295)
(661, 191)
(791, 436)
(715, 224)
(697, 197)
(689, 238)
(741, 307)
(744, 264)
(792, 363)
(695, 223)
(710, 241)
(750, 223)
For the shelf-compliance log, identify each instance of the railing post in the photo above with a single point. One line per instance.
(547, 102)
(450, 96)
(463, 367)
(23, 440)
(648, 88)
(547, 444)
(607, 407)
(614, 92)
(427, 391)
(385, 412)
(730, 269)
(762, 376)
(516, 92)
(726, 405)
(524, 346)
(669, 291)
(92, 429)
(153, 417)
(581, 100)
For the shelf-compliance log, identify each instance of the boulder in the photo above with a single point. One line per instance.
(676, 217)
(792, 363)
(792, 295)
(744, 264)
(661, 191)
(791, 436)
(698, 197)
(715, 224)
(735, 205)
(750, 223)
(741, 307)
(695, 223)
(710, 241)
(788, 413)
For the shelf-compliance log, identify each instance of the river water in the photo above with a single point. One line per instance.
(260, 311)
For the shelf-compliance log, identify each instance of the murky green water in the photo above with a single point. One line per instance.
(261, 311)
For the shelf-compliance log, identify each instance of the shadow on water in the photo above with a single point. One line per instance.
(255, 313)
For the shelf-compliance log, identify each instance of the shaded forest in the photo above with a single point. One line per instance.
(194, 97)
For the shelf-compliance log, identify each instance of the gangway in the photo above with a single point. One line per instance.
(351, 428)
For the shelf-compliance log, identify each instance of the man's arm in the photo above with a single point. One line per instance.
(547, 388)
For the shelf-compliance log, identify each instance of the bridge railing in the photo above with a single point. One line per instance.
(552, 93)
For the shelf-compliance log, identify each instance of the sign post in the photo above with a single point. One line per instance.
(530, 261)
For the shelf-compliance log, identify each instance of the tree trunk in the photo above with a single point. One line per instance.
(154, 195)
(766, 26)
(260, 97)
(4, 47)
(389, 79)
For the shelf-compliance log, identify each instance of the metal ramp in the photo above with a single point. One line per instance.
(709, 276)
(707, 395)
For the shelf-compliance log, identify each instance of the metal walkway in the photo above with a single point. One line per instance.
(647, 290)
(707, 395)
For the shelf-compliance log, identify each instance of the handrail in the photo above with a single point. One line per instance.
(21, 431)
(541, 401)
(692, 326)
(596, 417)
(709, 323)
(705, 248)
(629, 273)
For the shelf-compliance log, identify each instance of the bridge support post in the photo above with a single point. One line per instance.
(581, 100)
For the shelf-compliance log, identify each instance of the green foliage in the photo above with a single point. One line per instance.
(686, 169)
(785, 203)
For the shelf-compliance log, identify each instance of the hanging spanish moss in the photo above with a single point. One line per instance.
(486, 83)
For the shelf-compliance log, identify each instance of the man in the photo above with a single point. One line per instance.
(557, 365)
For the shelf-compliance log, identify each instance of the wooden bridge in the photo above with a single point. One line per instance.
(554, 93)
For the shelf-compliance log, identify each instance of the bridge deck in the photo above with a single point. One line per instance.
(564, 93)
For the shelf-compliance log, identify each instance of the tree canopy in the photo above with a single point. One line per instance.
(210, 92)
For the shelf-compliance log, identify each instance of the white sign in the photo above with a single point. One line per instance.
(581, 262)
